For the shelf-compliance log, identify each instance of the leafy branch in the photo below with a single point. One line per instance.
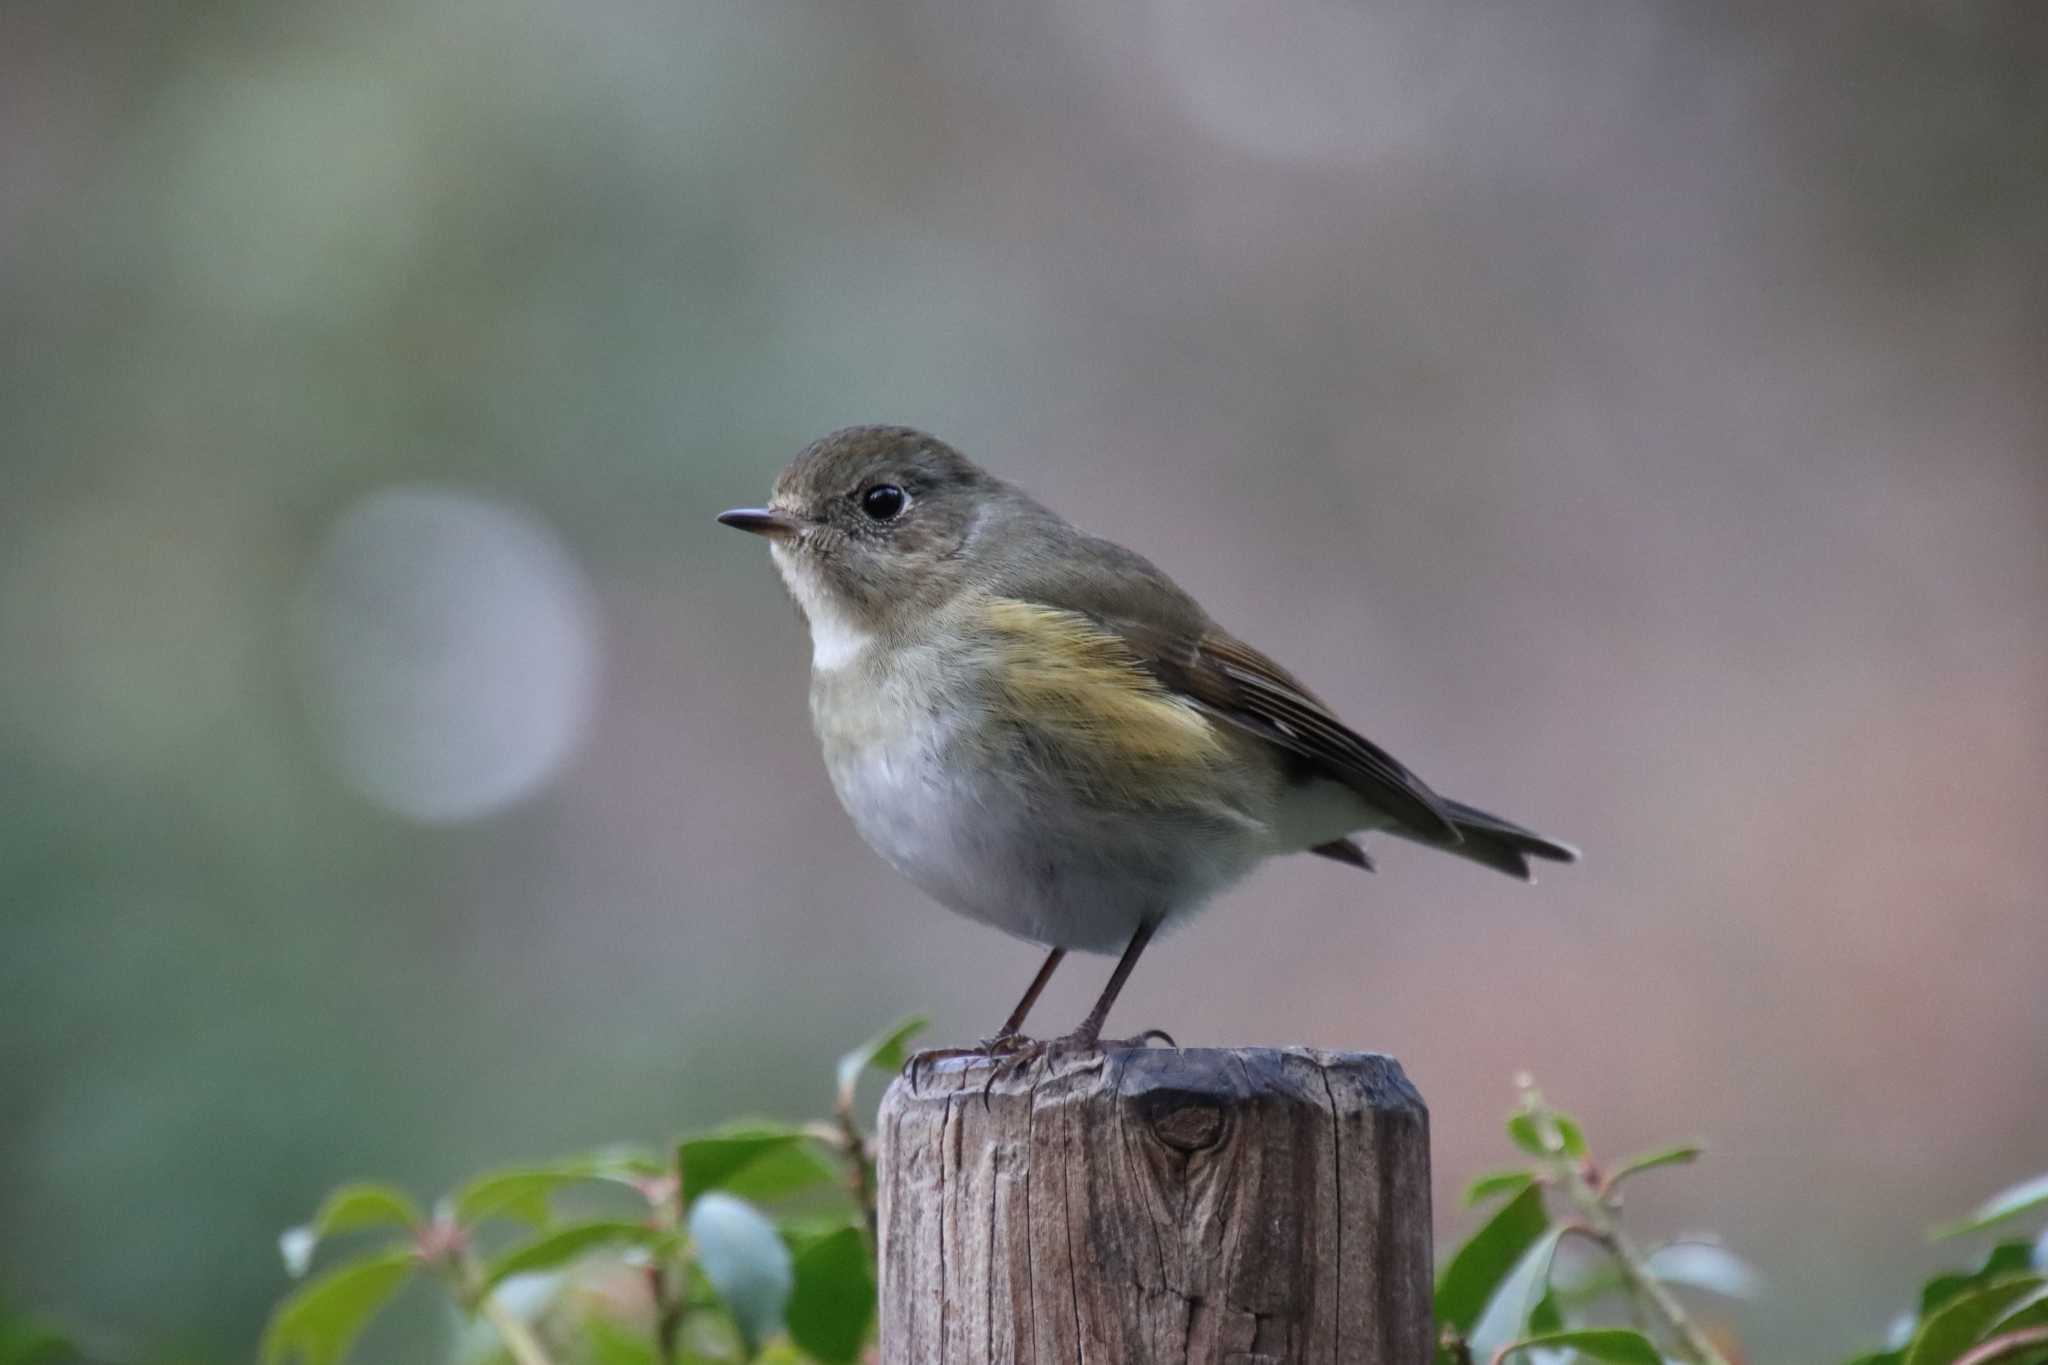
(1507, 1295)
(756, 1242)
(721, 1280)
(1501, 1294)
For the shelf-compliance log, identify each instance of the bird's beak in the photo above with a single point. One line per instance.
(761, 521)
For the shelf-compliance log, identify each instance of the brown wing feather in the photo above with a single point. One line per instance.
(1235, 682)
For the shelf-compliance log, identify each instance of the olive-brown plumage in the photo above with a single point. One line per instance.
(1042, 730)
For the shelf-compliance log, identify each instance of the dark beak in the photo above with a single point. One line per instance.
(761, 521)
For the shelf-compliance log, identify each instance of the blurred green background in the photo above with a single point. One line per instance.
(1632, 416)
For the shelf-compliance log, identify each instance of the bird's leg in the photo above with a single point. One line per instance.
(1012, 1030)
(1010, 1039)
(1022, 1052)
(1089, 1035)
(1011, 1050)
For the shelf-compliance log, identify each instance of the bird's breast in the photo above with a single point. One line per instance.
(905, 764)
(993, 815)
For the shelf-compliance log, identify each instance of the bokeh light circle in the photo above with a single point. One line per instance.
(449, 649)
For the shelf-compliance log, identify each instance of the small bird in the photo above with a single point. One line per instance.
(1044, 733)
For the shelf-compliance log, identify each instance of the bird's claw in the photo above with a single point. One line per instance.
(1009, 1053)
(915, 1064)
(1022, 1053)
(1000, 1047)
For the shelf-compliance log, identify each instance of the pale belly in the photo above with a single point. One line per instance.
(1025, 859)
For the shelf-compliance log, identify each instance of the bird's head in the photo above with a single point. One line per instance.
(871, 528)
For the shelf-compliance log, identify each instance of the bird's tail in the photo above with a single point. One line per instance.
(1500, 844)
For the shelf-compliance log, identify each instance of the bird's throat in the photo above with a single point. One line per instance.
(838, 637)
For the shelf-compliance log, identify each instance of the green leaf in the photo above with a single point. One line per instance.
(1546, 1316)
(1523, 1132)
(32, 1341)
(753, 1161)
(1679, 1155)
(1518, 1302)
(886, 1051)
(345, 1210)
(36, 1346)
(1570, 1135)
(2032, 1317)
(363, 1206)
(1614, 1344)
(318, 1324)
(2004, 1260)
(614, 1343)
(2008, 1203)
(746, 1263)
(1546, 1133)
(800, 1233)
(523, 1193)
(519, 1195)
(1968, 1317)
(621, 1163)
(1468, 1282)
(834, 1298)
(555, 1249)
(781, 1173)
(1493, 1184)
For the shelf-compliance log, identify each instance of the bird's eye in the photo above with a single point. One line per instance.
(883, 502)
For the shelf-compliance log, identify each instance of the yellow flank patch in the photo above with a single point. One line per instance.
(1084, 690)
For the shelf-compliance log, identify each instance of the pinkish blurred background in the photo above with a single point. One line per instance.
(1632, 417)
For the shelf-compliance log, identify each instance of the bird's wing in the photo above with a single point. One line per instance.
(1231, 680)
(1173, 639)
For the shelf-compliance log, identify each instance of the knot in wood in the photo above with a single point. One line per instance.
(1189, 1127)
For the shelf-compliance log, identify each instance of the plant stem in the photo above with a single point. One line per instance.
(670, 1284)
(520, 1342)
(860, 1171)
(1998, 1348)
(668, 1315)
(1660, 1298)
(1644, 1288)
(466, 1282)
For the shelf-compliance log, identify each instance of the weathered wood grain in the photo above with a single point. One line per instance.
(1231, 1207)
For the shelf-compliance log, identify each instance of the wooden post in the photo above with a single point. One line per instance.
(1244, 1206)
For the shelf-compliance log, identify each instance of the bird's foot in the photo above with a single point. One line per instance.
(1079, 1043)
(1013, 1052)
(1023, 1053)
(1003, 1045)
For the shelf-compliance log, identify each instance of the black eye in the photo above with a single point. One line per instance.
(883, 502)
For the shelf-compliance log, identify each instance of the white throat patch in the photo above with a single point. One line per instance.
(836, 638)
